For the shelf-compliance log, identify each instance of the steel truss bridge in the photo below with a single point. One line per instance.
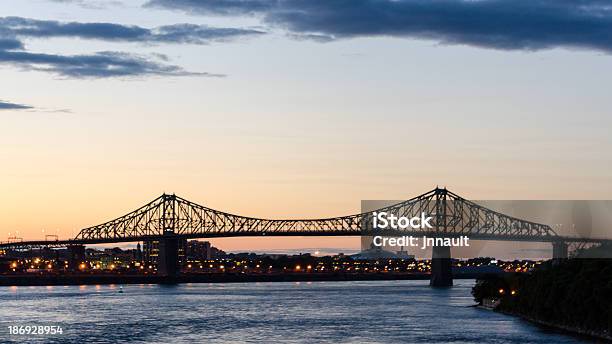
(172, 215)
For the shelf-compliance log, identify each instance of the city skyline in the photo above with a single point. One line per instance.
(233, 111)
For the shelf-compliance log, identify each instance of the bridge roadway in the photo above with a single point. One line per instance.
(170, 218)
(34, 244)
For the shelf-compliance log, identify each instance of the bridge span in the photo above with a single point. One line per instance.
(170, 218)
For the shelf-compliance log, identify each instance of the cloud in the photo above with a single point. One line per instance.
(222, 7)
(497, 24)
(198, 34)
(91, 4)
(12, 106)
(178, 33)
(98, 65)
(10, 43)
(104, 64)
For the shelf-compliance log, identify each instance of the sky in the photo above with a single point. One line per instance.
(296, 109)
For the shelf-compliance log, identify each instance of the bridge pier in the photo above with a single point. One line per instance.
(168, 259)
(560, 250)
(441, 269)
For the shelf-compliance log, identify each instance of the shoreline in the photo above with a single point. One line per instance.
(37, 280)
(570, 330)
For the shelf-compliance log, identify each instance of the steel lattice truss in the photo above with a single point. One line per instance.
(175, 216)
(452, 216)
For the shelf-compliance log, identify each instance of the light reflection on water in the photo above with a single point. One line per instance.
(306, 312)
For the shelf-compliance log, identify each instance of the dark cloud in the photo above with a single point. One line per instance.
(497, 24)
(222, 7)
(198, 34)
(10, 44)
(104, 64)
(179, 33)
(12, 106)
(97, 65)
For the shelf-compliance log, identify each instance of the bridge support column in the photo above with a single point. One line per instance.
(168, 264)
(441, 269)
(560, 251)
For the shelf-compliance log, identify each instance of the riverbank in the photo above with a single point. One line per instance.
(44, 280)
(574, 296)
(572, 330)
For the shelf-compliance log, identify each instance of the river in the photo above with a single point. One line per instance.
(305, 312)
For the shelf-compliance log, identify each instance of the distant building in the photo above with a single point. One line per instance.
(375, 253)
(274, 256)
(187, 250)
(198, 250)
(482, 269)
(202, 250)
(138, 253)
(404, 254)
(150, 251)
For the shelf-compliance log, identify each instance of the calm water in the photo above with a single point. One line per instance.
(338, 312)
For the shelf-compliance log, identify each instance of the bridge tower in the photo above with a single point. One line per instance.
(560, 250)
(441, 269)
(168, 258)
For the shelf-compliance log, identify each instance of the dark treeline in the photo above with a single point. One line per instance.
(574, 294)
